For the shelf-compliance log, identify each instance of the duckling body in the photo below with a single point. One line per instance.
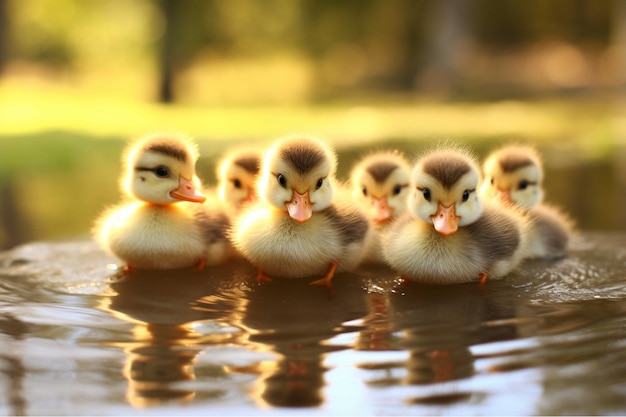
(297, 229)
(513, 178)
(489, 246)
(282, 247)
(549, 232)
(448, 236)
(160, 224)
(214, 218)
(380, 183)
(150, 236)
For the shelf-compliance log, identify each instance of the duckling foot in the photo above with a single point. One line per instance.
(404, 281)
(200, 266)
(482, 278)
(129, 269)
(326, 280)
(261, 277)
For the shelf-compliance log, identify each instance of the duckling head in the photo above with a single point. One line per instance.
(297, 175)
(513, 175)
(381, 181)
(237, 174)
(160, 169)
(443, 190)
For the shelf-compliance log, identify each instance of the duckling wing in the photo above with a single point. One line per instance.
(352, 226)
(552, 227)
(214, 225)
(496, 233)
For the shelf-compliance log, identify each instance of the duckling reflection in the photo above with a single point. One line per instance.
(279, 318)
(441, 329)
(379, 281)
(378, 331)
(13, 367)
(162, 353)
(437, 326)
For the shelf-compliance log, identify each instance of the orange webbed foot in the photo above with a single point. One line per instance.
(482, 278)
(261, 277)
(200, 266)
(327, 279)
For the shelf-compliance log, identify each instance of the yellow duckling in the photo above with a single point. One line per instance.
(513, 177)
(380, 182)
(159, 226)
(297, 229)
(236, 177)
(448, 236)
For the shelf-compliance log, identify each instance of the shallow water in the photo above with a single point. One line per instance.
(80, 337)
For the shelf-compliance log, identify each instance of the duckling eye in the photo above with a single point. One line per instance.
(364, 189)
(491, 181)
(425, 193)
(319, 183)
(162, 172)
(281, 180)
(237, 183)
(466, 195)
(397, 189)
(523, 184)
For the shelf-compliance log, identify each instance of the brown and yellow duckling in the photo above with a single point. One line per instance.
(160, 224)
(513, 177)
(380, 184)
(447, 235)
(297, 228)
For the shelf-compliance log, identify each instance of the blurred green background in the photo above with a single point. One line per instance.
(79, 78)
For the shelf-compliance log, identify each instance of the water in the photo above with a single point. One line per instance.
(79, 337)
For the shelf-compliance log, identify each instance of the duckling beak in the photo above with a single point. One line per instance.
(250, 196)
(300, 208)
(504, 196)
(445, 220)
(382, 211)
(187, 192)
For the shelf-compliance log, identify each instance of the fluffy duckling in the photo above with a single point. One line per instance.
(448, 236)
(380, 182)
(236, 176)
(159, 226)
(513, 177)
(297, 229)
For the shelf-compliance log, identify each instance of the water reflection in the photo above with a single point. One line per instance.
(437, 327)
(165, 308)
(13, 368)
(372, 346)
(296, 321)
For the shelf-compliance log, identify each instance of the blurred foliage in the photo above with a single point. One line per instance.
(330, 47)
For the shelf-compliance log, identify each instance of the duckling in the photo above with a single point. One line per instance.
(159, 226)
(236, 175)
(513, 177)
(448, 235)
(297, 229)
(380, 182)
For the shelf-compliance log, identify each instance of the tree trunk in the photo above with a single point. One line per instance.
(4, 35)
(166, 53)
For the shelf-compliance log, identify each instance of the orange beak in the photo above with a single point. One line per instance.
(187, 192)
(382, 212)
(504, 196)
(300, 208)
(446, 221)
(250, 196)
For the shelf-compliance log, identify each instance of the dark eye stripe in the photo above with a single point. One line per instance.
(155, 170)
